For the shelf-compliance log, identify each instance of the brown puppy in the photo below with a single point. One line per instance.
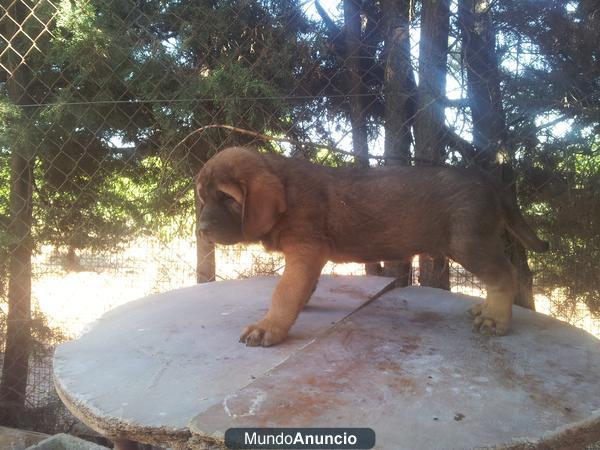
(314, 214)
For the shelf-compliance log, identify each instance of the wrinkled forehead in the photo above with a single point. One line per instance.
(211, 178)
(231, 166)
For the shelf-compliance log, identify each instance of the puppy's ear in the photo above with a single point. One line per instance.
(264, 202)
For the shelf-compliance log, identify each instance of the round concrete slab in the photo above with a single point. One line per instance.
(409, 366)
(146, 368)
(168, 370)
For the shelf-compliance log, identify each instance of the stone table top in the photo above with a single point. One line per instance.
(168, 370)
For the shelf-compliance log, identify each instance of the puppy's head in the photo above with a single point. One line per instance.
(241, 198)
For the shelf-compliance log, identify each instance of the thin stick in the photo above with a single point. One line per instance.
(272, 138)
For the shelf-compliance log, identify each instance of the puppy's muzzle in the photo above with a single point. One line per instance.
(205, 230)
(204, 227)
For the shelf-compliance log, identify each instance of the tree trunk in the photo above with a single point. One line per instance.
(489, 123)
(205, 260)
(205, 251)
(483, 80)
(429, 123)
(354, 84)
(399, 92)
(15, 366)
(434, 271)
(355, 91)
(399, 87)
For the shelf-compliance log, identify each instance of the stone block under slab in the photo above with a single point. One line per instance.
(15, 439)
(65, 442)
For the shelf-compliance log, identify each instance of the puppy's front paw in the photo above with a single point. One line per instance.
(263, 333)
(488, 322)
(475, 310)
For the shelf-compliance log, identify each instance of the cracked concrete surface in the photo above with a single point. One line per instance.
(168, 370)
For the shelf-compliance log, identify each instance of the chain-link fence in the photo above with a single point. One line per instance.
(99, 100)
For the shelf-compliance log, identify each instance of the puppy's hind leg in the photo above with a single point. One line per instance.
(302, 269)
(311, 292)
(491, 266)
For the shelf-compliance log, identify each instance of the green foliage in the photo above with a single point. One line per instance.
(234, 87)
(555, 81)
(122, 83)
(80, 39)
(569, 216)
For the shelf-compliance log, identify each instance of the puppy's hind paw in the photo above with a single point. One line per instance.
(262, 334)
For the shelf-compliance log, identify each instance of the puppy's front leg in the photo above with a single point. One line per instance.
(302, 269)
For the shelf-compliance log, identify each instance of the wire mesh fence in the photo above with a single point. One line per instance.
(100, 100)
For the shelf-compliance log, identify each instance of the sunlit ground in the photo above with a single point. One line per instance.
(73, 299)
(578, 314)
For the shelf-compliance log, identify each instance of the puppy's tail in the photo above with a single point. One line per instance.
(518, 227)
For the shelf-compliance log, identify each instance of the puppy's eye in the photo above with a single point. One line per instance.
(225, 197)
(229, 202)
